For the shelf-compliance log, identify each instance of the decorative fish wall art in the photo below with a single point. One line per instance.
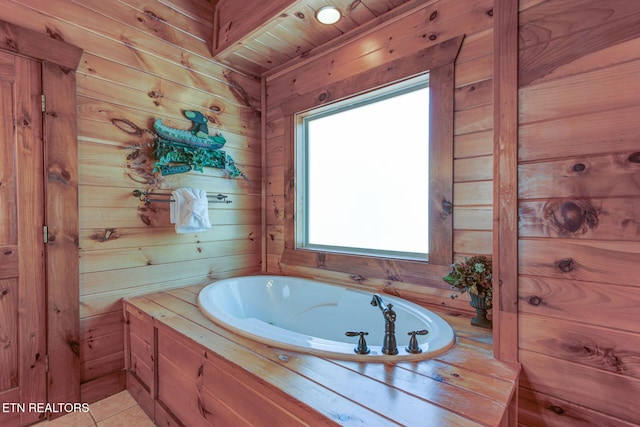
(178, 150)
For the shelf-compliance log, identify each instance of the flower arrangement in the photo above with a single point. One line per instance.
(473, 275)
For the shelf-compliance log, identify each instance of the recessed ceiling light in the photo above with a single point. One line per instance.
(328, 15)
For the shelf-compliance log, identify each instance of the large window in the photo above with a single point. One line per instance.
(362, 173)
(339, 175)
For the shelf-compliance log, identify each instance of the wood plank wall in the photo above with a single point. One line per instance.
(579, 208)
(473, 122)
(578, 200)
(148, 59)
(578, 173)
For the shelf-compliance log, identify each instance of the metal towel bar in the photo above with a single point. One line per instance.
(145, 196)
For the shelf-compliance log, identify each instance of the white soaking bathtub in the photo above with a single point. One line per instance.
(312, 317)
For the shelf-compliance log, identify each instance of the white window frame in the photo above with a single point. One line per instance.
(301, 163)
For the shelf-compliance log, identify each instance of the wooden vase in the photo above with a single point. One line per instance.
(481, 307)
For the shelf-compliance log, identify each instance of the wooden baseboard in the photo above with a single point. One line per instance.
(99, 388)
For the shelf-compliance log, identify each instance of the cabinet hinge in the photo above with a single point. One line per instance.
(45, 232)
(44, 103)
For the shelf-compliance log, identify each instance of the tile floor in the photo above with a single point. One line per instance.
(119, 410)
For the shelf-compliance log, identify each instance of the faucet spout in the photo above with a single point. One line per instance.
(376, 301)
(389, 343)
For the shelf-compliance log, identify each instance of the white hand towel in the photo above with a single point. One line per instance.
(190, 210)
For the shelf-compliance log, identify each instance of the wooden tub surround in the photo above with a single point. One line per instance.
(185, 370)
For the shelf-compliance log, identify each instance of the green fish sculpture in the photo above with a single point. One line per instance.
(194, 147)
(197, 136)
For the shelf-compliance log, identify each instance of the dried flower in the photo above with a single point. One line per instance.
(473, 275)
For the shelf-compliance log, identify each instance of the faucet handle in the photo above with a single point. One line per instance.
(413, 346)
(362, 344)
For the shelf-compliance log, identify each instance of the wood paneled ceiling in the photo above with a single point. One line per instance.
(285, 32)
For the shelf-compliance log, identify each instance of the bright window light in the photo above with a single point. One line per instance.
(363, 176)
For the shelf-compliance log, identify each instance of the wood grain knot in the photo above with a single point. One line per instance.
(606, 357)
(154, 15)
(127, 126)
(535, 300)
(566, 265)
(74, 345)
(239, 93)
(54, 34)
(107, 234)
(145, 219)
(571, 217)
(391, 290)
(393, 276)
(557, 409)
(202, 409)
(321, 260)
(357, 278)
(11, 43)
(433, 15)
(447, 207)
(634, 157)
(579, 167)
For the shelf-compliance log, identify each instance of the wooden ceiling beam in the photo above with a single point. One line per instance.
(234, 20)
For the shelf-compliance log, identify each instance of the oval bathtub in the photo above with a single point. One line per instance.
(312, 317)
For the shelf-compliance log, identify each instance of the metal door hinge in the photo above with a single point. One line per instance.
(44, 103)
(45, 231)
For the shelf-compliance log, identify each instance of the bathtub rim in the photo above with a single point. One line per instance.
(322, 347)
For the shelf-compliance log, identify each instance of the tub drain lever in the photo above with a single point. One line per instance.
(413, 346)
(362, 344)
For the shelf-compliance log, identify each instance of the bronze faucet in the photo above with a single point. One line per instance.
(389, 344)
